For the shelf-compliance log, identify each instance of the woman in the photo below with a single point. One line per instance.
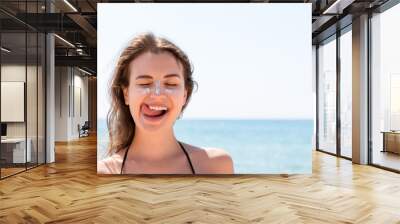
(150, 88)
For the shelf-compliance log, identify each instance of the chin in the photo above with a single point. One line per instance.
(154, 126)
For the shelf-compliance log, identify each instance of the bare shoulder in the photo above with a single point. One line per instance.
(110, 165)
(211, 160)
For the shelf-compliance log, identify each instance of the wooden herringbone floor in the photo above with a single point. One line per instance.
(69, 191)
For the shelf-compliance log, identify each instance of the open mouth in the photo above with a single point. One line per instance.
(153, 112)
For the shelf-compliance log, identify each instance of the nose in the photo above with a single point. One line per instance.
(157, 88)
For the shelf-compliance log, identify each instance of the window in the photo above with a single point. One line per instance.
(346, 93)
(385, 89)
(327, 96)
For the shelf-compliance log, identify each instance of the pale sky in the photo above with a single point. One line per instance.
(251, 61)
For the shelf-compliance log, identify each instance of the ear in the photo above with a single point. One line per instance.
(126, 95)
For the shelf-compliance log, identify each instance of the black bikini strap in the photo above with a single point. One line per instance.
(123, 161)
(180, 144)
(188, 157)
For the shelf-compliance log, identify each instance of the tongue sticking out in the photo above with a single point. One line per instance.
(151, 113)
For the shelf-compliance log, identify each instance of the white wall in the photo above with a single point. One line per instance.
(33, 126)
(70, 83)
(80, 84)
(61, 103)
(15, 72)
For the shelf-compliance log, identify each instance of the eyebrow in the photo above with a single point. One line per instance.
(150, 77)
(172, 75)
(144, 77)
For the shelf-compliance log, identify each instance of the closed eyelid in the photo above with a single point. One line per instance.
(176, 81)
(151, 82)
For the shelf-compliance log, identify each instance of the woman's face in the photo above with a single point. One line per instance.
(156, 91)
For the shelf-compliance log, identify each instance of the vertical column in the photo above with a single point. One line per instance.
(360, 90)
(317, 97)
(50, 92)
(338, 99)
(92, 103)
(314, 89)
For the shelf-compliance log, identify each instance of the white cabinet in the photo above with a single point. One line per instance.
(19, 155)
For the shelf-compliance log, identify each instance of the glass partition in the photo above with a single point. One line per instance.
(327, 96)
(13, 99)
(22, 88)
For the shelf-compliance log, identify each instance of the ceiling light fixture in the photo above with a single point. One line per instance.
(70, 5)
(84, 71)
(5, 49)
(64, 40)
(337, 7)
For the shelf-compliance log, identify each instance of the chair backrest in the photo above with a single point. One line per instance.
(86, 125)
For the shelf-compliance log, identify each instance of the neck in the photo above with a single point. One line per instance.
(153, 145)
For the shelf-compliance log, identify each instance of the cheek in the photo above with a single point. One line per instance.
(179, 99)
(135, 101)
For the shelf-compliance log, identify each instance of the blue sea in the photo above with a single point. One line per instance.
(256, 146)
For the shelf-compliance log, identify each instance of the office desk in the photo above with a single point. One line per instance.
(391, 141)
(13, 150)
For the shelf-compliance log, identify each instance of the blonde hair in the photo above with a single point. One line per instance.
(120, 124)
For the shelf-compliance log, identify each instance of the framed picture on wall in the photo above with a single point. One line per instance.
(204, 88)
